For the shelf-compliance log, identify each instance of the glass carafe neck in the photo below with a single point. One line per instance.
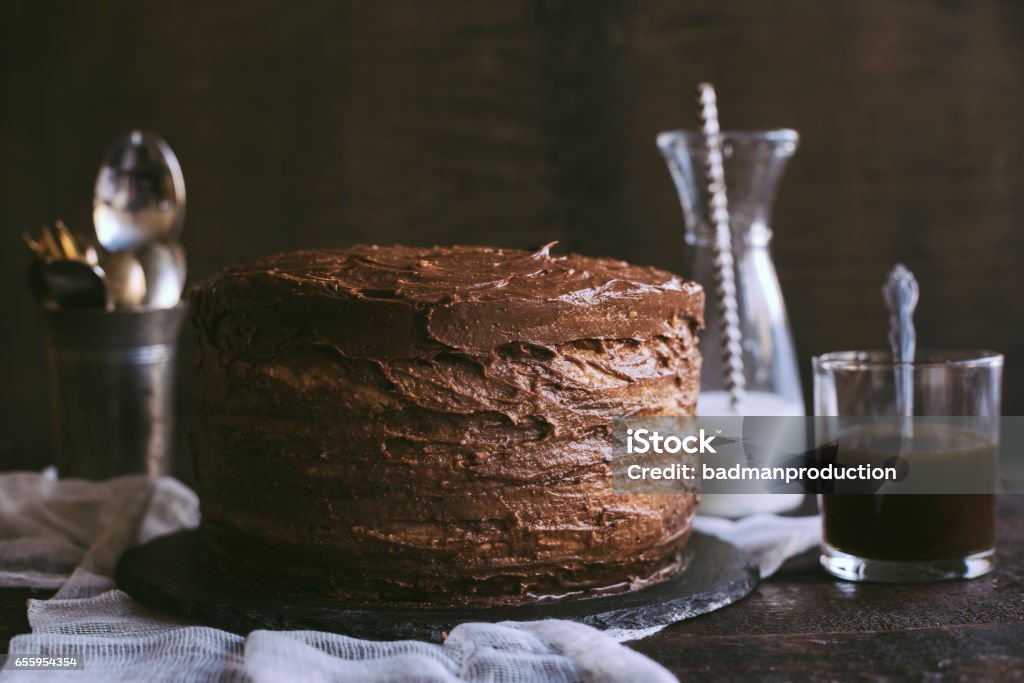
(754, 162)
(756, 234)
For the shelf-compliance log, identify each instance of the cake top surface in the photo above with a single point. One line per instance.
(399, 301)
(432, 275)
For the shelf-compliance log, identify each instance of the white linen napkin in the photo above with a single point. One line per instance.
(70, 534)
(771, 540)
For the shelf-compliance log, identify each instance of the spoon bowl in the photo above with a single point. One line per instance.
(164, 267)
(75, 284)
(125, 278)
(139, 196)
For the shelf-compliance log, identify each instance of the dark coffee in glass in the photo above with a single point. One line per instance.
(913, 534)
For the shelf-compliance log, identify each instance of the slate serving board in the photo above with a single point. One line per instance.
(175, 573)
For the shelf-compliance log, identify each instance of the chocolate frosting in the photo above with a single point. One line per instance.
(433, 424)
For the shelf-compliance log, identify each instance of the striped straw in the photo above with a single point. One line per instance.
(724, 268)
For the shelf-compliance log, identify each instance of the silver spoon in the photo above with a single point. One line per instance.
(164, 266)
(139, 196)
(126, 280)
(75, 284)
(901, 293)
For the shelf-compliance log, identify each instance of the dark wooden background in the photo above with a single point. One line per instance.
(323, 123)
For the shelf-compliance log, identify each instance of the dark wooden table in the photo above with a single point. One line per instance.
(804, 626)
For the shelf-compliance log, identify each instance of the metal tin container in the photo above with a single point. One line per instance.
(112, 376)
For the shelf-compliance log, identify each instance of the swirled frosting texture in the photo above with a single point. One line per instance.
(433, 424)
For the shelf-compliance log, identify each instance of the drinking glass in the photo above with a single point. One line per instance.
(912, 536)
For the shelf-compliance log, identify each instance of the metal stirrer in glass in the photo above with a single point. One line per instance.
(724, 269)
(901, 293)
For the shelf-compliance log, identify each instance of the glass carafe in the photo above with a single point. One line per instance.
(754, 162)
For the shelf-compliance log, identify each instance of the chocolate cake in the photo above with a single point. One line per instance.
(432, 425)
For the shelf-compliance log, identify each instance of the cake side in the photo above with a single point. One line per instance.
(406, 424)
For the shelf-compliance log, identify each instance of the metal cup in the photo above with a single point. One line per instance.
(112, 376)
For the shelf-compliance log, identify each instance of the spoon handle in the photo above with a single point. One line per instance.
(901, 293)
